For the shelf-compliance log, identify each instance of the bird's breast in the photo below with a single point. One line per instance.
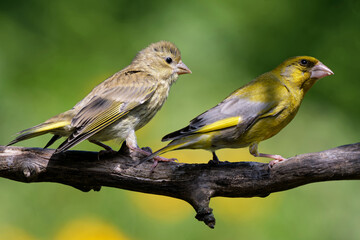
(269, 126)
(135, 118)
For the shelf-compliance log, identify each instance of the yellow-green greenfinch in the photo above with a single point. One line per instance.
(120, 105)
(253, 113)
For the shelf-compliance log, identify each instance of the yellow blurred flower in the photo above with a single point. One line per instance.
(89, 229)
(244, 209)
(160, 207)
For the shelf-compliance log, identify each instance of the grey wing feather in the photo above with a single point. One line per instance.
(240, 103)
(230, 107)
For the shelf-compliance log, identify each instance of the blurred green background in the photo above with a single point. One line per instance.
(52, 53)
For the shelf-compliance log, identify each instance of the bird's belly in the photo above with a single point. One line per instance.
(118, 130)
(267, 127)
(263, 129)
(210, 141)
(227, 138)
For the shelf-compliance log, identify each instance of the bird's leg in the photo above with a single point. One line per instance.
(277, 158)
(52, 140)
(254, 151)
(215, 159)
(108, 150)
(106, 147)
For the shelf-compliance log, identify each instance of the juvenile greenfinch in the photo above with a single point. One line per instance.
(120, 105)
(253, 113)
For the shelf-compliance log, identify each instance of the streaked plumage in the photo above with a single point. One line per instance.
(253, 113)
(120, 105)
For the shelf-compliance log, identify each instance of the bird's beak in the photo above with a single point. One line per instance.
(320, 71)
(181, 68)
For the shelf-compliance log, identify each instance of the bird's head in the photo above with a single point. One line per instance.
(302, 72)
(162, 59)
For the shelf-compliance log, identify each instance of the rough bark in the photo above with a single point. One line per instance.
(194, 183)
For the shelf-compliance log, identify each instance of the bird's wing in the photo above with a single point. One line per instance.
(109, 105)
(240, 110)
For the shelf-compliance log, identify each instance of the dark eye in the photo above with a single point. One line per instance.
(304, 62)
(168, 60)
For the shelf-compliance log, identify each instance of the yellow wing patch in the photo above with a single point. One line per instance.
(53, 126)
(105, 119)
(221, 124)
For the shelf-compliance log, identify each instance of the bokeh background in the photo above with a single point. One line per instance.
(52, 53)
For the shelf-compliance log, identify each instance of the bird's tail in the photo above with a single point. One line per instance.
(38, 130)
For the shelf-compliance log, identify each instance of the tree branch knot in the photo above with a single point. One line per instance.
(30, 170)
(205, 215)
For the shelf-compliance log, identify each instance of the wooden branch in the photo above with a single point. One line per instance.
(194, 183)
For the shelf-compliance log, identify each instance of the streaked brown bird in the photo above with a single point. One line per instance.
(120, 105)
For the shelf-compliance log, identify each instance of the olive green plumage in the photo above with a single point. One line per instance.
(253, 113)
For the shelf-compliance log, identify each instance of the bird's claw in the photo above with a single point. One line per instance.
(213, 162)
(163, 159)
(277, 159)
(106, 153)
(158, 159)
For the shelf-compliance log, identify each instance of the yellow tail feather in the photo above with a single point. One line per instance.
(38, 130)
(169, 148)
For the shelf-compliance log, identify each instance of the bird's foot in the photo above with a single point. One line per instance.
(106, 153)
(156, 159)
(213, 162)
(277, 159)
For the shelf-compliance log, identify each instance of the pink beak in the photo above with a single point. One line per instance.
(320, 71)
(181, 68)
